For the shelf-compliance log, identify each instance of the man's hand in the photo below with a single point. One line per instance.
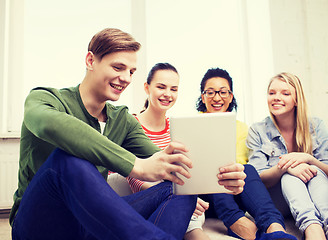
(163, 164)
(232, 177)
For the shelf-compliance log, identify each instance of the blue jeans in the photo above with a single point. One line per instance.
(307, 201)
(255, 199)
(69, 199)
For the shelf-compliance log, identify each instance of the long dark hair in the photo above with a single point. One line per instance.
(153, 70)
(211, 73)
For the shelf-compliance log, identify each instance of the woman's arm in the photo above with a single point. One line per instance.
(271, 176)
(292, 160)
(320, 151)
(321, 165)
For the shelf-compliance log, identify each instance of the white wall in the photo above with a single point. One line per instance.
(11, 69)
(300, 46)
(9, 151)
(45, 44)
(195, 36)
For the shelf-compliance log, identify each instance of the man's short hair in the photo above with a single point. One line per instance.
(112, 40)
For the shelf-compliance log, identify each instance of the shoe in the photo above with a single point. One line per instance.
(279, 235)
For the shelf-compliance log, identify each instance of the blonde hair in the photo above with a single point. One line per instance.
(302, 134)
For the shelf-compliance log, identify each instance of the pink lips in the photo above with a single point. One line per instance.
(217, 107)
(165, 102)
(277, 106)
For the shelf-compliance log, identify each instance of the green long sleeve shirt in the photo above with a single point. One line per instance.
(58, 119)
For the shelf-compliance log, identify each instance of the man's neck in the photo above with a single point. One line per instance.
(94, 107)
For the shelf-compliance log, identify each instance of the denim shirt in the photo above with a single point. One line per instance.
(266, 144)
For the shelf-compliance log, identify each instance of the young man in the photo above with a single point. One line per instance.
(70, 139)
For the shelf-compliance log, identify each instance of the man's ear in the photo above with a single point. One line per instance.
(89, 60)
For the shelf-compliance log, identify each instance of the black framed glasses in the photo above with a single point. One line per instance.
(223, 93)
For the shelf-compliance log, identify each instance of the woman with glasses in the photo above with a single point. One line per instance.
(291, 150)
(217, 96)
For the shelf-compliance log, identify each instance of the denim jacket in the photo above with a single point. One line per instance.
(266, 144)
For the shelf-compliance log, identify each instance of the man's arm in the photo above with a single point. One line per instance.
(46, 117)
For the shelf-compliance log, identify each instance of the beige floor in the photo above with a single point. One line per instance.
(214, 229)
(211, 229)
(5, 229)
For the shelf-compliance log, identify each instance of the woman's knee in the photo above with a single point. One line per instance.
(287, 178)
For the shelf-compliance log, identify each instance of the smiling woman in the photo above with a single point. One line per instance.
(281, 99)
(217, 95)
(289, 150)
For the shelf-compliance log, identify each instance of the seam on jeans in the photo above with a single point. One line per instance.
(81, 205)
(163, 207)
(268, 220)
(58, 176)
(304, 226)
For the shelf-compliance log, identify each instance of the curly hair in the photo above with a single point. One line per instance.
(211, 73)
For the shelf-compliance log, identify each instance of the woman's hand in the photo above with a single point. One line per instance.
(303, 171)
(293, 159)
(232, 177)
(201, 207)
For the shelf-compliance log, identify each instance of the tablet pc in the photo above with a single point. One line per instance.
(211, 141)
